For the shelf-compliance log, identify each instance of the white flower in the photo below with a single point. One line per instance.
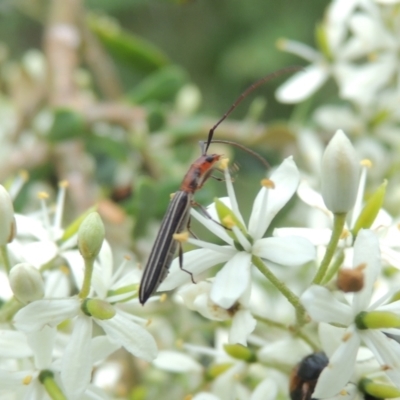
(197, 297)
(121, 329)
(234, 278)
(323, 306)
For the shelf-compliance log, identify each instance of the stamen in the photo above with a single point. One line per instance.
(224, 162)
(60, 204)
(366, 163)
(181, 237)
(267, 183)
(42, 196)
(27, 380)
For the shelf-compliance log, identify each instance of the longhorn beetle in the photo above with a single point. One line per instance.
(178, 212)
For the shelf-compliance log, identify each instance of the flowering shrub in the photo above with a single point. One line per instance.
(308, 308)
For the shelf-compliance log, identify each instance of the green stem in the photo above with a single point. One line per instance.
(89, 263)
(46, 377)
(334, 268)
(294, 331)
(6, 260)
(290, 296)
(338, 224)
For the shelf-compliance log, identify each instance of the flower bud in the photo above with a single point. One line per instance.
(26, 283)
(90, 236)
(99, 309)
(340, 174)
(240, 352)
(7, 220)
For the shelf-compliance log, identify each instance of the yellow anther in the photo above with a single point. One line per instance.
(188, 397)
(24, 175)
(63, 184)
(43, 195)
(171, 196)
(268, 183)
(281, 44)
(366, 163)
(64, 269)
(163, 298)
(27, 380)
(346, 336)
(181, 237)
(179, 343)
(148, 322)
(223, 164)
(228, 222)
(127, 258)
(345, 234)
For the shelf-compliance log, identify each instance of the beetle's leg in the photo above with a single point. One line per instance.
(180, 255)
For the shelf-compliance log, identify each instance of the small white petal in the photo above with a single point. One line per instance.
(13, 344)
(40, 313)
(76, 264)
(103, 270)
(102, 347)
(243, 324)
(386, 350)
(205, 396)
(303, 84)
(195, 261)
(286, 179)
(290, 251)
(132, 336)
(232, 280)
(176, 362)
(266, 390)
(330, 337)
(324, 307)
(76, 367)
(42, 343)
(338, 372)
(39, 253)
(366, 252)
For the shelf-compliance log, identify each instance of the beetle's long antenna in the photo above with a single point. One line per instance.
(244, 148)
(254, 86)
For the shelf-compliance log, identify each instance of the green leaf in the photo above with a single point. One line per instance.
(161, 85)
(67, 124)
(127, 48)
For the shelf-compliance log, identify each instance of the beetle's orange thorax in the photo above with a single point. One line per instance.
(199, 172)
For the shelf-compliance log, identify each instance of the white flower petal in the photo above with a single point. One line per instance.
(177, 362)
(330, 337)
(211, 223)
(103, 270)
(133, 337)
(40, 313)
(337, 374)
(286, 179)
(13, 344)
(324, 307)
(76, 367)
(195, 261)
(39, 253)
(366, 252)
(205, 396)
(318, 237)
(386, 350)
(102, 347)
(42, 343)
(76, 264)
(290, 251)
(303, 84)
(243, 324)
(232, 280)
(266, 390)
